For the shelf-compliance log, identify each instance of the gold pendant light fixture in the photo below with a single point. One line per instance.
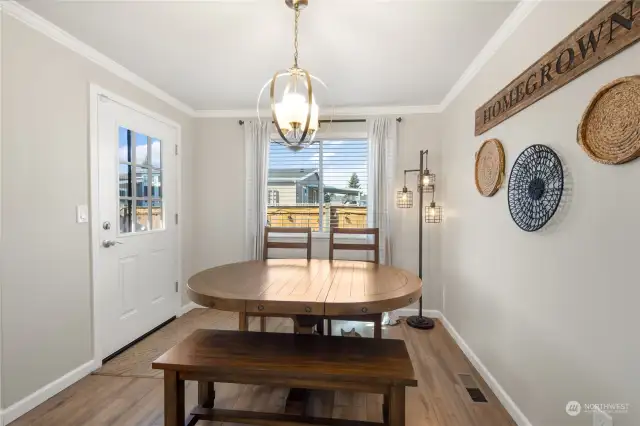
(295, 115)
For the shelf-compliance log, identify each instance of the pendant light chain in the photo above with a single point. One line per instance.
(295, 38)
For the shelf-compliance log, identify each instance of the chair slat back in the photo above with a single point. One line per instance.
(286, 245)
(375, 247)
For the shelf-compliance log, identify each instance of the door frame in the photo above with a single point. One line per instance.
(95, 94)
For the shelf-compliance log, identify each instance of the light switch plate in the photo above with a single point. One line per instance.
(82, 213)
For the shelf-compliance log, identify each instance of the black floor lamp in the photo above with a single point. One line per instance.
(432, 214)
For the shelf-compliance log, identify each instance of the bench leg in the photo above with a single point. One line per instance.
(242, 323)
(396, 406)
(263, 324)
(385, 409)
(173, 399)
(206, 394)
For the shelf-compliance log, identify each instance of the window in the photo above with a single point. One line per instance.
(139, 182)
(274, 197)
(322, 186)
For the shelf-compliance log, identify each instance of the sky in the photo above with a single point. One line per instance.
(341, 160)
(141, 148)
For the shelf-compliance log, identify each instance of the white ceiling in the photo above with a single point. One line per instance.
(216, 55)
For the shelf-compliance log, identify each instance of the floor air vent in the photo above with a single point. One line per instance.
(472, 388)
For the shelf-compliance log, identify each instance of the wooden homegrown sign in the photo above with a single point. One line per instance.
(613, 28)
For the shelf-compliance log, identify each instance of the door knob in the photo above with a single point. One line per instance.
(110, 243)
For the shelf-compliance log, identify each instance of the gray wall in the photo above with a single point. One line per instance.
(44, 254)
(219, 182)
(552, 314)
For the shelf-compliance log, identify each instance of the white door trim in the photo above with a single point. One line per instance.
(95, 92)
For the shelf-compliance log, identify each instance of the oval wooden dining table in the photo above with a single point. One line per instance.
(305, 288)
(306, 291)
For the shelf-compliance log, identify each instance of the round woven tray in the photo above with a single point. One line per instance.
(610, 128)
(489, 167)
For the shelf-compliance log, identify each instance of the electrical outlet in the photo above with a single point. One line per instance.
(600, 418)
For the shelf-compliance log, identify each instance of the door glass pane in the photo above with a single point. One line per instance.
(156, 183)
(124, 145)
(142, 182)
(142, 149)
(125, 216)
(157, 217)
(156, 153)
(142, 215)
(124, 178)
(139, 182)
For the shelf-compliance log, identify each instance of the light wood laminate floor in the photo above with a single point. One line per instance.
(125, 391)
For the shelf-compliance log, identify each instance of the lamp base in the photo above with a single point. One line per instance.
(420, 322)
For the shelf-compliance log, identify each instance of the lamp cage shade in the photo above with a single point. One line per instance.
(404, 199)
(427, 182)
(433, 213)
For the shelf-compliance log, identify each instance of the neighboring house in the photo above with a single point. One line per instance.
(293, 186)
(290, 187)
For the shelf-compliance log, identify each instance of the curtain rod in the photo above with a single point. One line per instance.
(351, 120)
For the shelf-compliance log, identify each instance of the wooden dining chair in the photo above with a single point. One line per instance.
(375, 247)
(286, 245)
(280, 245)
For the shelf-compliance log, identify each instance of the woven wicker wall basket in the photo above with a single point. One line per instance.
(610, 128)
(489, 167)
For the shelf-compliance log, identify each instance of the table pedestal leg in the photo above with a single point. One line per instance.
(305, 323)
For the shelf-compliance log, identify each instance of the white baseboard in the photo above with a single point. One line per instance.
(506, 401)
(188, 307)
(41, 395)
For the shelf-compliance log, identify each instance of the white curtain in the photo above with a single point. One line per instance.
(256, 142)
(383, 145)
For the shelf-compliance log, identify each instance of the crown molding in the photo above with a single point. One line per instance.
(38, 23)
(229, 113)
(513, 21)
(337, 112)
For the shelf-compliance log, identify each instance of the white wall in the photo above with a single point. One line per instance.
(219, 183)
(44, 254)
(552, 314)
(219, 201)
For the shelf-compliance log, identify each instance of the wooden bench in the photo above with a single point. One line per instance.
(284, 360)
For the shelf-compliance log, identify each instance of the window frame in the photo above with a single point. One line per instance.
(324, 235)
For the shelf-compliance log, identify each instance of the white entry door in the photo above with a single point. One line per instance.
(137, 266)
